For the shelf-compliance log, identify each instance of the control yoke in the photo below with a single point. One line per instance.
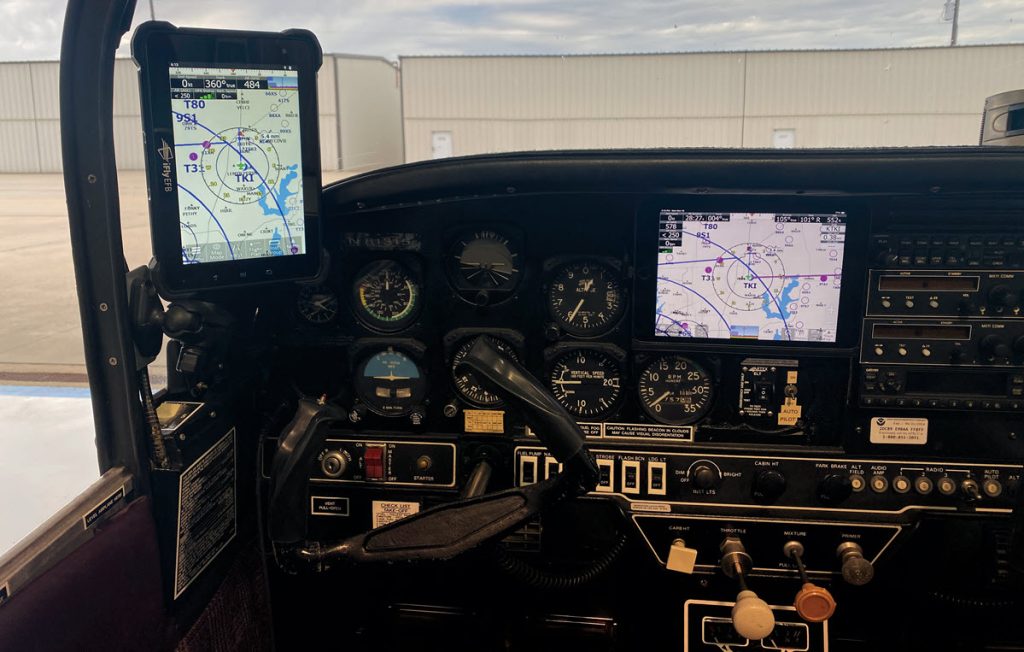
(448, 530)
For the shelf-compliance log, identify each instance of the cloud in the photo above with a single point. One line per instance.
(31, 29)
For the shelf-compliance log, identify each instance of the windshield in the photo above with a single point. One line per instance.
(407, 81)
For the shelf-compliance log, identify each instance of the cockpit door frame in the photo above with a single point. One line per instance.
(93, 31)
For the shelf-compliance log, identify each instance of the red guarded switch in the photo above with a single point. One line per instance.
(373, 458)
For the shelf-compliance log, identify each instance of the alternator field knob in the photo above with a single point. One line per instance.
(856, 570)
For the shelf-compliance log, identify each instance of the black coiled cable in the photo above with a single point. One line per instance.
(965, 602)
(539, 578)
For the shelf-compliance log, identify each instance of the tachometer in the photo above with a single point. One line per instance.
(585, 297)
(386, 296)
(317, 304)
(467, 383)
(390, 383)
(675, 390)
(588, 383)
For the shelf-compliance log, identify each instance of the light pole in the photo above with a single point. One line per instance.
(951, 12)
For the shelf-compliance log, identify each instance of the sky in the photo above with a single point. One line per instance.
(31, 29)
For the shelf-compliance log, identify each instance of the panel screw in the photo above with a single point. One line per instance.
(91, 178)
(112, 361)
(104, 307)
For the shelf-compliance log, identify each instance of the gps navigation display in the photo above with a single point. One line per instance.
(238, 163)
(755, 276)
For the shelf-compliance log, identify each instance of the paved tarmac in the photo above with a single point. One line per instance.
(40, 329)
(47, 449)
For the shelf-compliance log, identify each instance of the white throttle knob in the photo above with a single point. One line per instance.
(752, 617)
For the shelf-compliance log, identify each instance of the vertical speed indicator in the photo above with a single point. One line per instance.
(588, 383)
(675, 390)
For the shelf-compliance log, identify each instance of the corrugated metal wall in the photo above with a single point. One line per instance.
(30, 122)
(856, 98)
(370, 102)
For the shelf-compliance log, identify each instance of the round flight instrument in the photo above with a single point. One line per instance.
(585, 297)
(467, 383)
(317, 304)
(386, 296)
(390, 383)
(675, 390)
(588, 383)
(484, 260)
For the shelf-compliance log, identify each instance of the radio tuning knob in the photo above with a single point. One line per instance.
(956, 354)
(1001, 296)
(994, 346)
(888, 257)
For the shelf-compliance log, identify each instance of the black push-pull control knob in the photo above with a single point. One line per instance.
(834, 488)
(768, 485)
(705, 475)
(994, 346)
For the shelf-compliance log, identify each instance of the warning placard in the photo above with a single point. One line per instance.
(207, 514)
(389, 511)
(485, 421)
(893, 430)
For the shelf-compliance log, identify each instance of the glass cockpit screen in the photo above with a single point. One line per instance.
(749, 276)
(238, 158)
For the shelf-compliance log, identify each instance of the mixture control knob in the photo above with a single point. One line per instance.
(994, 346)
(834, 488)
(334, 464)
(705, 475)
(768, 484)
(857, 570)
(813, 603)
